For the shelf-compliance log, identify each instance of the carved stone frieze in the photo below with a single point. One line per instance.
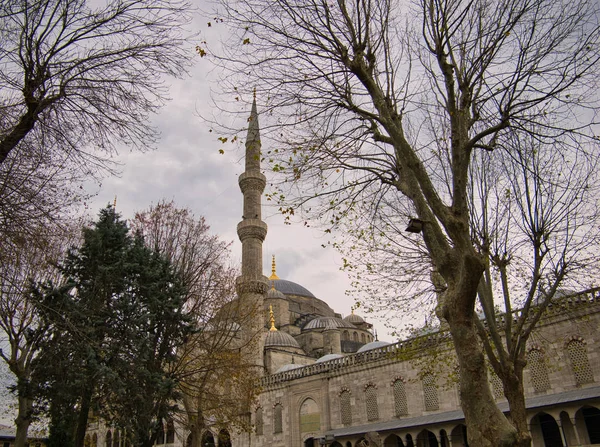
(252, 228)
(252, 181)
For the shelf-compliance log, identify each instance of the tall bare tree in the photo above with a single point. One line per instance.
(80, 77)
(398, 97)
(23, 332)
(218, 380)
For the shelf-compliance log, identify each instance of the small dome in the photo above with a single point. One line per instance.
(327, 323)
(373, 345)
(279, 338)
(328, 357)
(288, 367)
(274, 293)
(291, 288)
(354, 319)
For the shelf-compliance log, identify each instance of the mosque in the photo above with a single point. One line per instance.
(328, 382)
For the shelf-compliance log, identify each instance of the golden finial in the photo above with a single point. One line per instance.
(115, 202)
(272, 318)
(273, 274)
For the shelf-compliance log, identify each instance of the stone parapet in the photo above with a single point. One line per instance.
(252, 181)
(246, 284)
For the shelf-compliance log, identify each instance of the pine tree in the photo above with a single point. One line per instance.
(116, 326)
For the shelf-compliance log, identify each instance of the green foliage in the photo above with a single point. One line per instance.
(116, 325)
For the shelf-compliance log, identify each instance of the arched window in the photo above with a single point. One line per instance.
(345, 335)
(116, 439)
(259, 421)
(224, 438)
(538, 370)
(108, 439)
(430, 393)
(345, 407)
(355, 336)
(400, 403)
(208, 440)
(371, 402)
(310, 417)
(579, 362)
(277, 418)
(95, 440)
(88, 441)
(170, 438)
(363, 338)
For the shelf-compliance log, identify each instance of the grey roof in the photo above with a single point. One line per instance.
(279, 338)
(457, 415)
(274, 293)
(373, 345)
(288, 367)
(328, 357)
(354, 319)
(291, 288)
(327, 323)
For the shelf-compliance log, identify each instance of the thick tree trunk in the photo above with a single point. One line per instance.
(23, 420)
(486, 424)
(512, 380)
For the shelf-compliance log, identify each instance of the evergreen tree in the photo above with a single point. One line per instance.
(115, 330)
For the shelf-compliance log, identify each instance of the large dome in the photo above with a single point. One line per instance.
(280, 339)
(327, 323)
(291, 288)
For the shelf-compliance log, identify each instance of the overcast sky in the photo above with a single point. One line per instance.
(187, 167)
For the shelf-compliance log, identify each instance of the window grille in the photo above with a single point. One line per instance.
(538, 370)
(277, 419)
(580, 362)
(345, 407)
(259, 421)
(497, 387)
(430, 393)
(400, 404)
(371, 401)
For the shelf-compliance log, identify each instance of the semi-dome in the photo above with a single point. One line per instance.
(328, 357)
(373, 345)
(280, 339)
(288, 367)
(327, 323)
(354, 319)
(291, 288)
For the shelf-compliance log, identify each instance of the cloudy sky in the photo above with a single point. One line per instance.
(187, 167)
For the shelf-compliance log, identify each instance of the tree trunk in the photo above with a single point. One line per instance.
(23, 420)
(82, 419)
(487, 425)
(512, 381)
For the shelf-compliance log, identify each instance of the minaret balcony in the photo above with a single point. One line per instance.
(252, 181)
(252, 229)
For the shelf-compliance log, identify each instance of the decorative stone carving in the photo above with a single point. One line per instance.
(252, 181)
(252, 228)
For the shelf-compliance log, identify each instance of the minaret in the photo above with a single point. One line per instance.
(252, 285)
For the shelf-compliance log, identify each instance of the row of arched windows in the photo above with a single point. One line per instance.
(116, 438)
(430, 397)
(354, 336)
(578, 360)
(277, 419)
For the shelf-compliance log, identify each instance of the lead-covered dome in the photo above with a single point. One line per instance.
(280, 339)
(354, 319)
(328, 357)
(288, 367)
(291, 288)
(373, 345)
(327, 323)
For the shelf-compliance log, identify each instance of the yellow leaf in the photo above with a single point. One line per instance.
(246, 41)
(221, 151)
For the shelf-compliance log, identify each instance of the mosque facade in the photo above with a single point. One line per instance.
(327, 381)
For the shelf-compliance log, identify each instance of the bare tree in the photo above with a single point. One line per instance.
(23, 332)
(80, 78)
(218, 380)
(399, 98)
